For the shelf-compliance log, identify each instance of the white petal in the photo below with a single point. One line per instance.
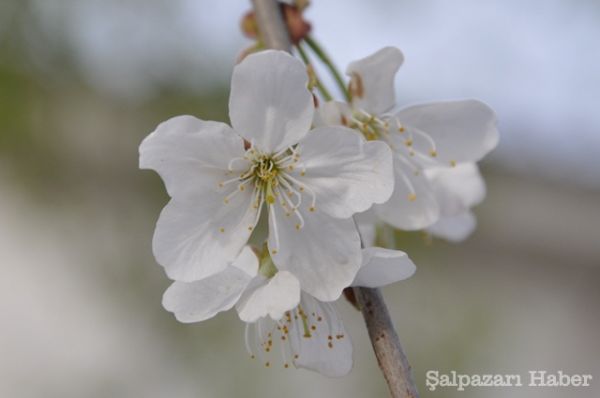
(203, 299)
(347, 173)
(327, 349)
(324, 254)
(191, 155)
(366, 223)
(457, 188)
(382, 267)
(374, 76)
(463, 131)
(270, 297)
(269, 103)
(409, 209)
(196, 239)
(454, 228)
(331, 113)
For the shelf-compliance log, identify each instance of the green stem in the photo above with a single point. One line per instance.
(319, 52)
(322, 89)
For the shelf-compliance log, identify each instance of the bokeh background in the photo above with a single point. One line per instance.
(82, 82)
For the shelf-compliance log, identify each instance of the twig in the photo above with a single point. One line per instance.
(271, 25)
(386, 344)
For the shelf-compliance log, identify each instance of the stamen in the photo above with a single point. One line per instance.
(237, 159)
(303, 187)
(412, 196)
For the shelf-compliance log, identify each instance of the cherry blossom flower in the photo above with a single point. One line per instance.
(282, 319)
(309, 183)
(436, 135)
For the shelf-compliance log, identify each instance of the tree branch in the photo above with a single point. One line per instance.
(386, 344)
(385, 341)
(271, 25)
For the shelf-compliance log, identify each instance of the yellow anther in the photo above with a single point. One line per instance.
(302, 173)
(453, 163)
(408, 142)
(298, 226)
(433, 153)
(226, 201)
(412, 197)
(270, 199)
(222, 230)
(267, 364)
(242, 187)
(312, 208)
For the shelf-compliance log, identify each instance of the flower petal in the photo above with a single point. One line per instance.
(272, 297)
(196, 239)
(372, 80)
(191, 155)
(346, 173)
(332, 113)
(203, 299)
(454, 228)
(413, 205)
(382, 267)
(327, 347)
(457, 188)
(269, 103)
(463, 131)
(324, 254)
(366, 223)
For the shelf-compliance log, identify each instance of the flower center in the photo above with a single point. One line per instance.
(401, 140)
(276, 180)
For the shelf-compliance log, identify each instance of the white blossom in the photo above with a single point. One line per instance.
(436, 136)
(281, 319)
(308, 183)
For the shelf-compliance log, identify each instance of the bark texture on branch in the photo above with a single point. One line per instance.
(271, 25)
(386, 344)
(385, 341)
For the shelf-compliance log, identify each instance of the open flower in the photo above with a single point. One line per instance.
(436, 135)
(282, 319)
(309, 183)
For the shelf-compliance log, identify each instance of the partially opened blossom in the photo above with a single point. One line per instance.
(436, 135)
(221, 180)
(284, 324)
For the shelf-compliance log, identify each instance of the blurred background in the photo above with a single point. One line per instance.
(81, 84)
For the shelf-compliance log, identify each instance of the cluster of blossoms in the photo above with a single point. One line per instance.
(267, 215)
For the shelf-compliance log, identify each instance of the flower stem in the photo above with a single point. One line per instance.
(319, 52)
(385, 341)
(322, 89)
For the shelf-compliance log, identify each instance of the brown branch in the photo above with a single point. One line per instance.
(271, 25)
(385, 341)
(386, 344)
